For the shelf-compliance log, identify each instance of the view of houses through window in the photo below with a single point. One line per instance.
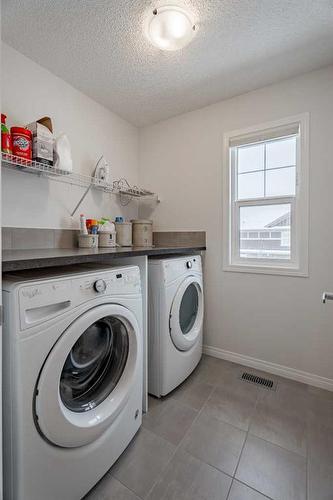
(270, 240)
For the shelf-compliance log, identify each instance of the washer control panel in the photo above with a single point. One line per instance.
(118, 281)
(47, 298)
(113, 282)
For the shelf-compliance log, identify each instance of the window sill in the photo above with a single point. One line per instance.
(277, 270)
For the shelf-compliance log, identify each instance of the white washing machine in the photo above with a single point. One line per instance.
(176, 310)
(72, 378)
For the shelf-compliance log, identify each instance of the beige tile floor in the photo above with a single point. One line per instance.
(218, 438)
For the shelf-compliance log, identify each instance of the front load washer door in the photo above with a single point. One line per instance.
(88, 376)
(186, 315)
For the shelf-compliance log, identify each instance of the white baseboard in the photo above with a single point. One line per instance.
(275, 369)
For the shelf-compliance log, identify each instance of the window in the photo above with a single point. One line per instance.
(265, 198)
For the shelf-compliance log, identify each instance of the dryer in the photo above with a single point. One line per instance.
(72, 378)
(176, 310)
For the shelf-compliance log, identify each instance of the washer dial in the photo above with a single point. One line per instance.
(100, 286)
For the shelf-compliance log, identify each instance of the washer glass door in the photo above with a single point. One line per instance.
(89, 376)
(186, 315)
(94, 365)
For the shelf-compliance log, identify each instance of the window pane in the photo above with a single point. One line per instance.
(281, 181)
(281, 153)
(251, 185)
(250, 158)
(263, 221)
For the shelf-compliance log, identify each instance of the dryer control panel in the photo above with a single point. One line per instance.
(174, 268)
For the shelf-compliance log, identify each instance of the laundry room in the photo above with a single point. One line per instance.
(167, 277)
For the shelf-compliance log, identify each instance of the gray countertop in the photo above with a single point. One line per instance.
(15, 260)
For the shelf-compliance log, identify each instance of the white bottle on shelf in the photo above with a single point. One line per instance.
(83, 225)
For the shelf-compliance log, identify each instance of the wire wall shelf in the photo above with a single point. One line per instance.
(119, 187)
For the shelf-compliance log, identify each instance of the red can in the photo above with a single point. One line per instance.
(21, 142)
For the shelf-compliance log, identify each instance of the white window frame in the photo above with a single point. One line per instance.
(298, 264)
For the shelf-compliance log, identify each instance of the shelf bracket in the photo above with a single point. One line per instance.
(80, 200)
(100, 173)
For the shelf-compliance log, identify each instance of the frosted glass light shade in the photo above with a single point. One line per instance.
(170, 28)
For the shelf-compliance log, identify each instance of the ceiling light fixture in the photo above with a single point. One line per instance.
(170, 28)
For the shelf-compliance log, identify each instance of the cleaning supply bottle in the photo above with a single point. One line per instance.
(83, 225)
(6, 141)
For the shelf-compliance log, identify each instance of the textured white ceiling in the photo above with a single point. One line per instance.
(99, 47)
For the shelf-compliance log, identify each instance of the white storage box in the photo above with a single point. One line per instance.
(42, 140)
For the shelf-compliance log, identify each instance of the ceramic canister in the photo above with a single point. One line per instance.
(142, 232)
(124, 233)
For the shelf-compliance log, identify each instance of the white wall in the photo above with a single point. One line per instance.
(273, 318)
(30, 92)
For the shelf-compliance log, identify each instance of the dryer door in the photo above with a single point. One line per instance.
(88, 376)
(186, 315)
